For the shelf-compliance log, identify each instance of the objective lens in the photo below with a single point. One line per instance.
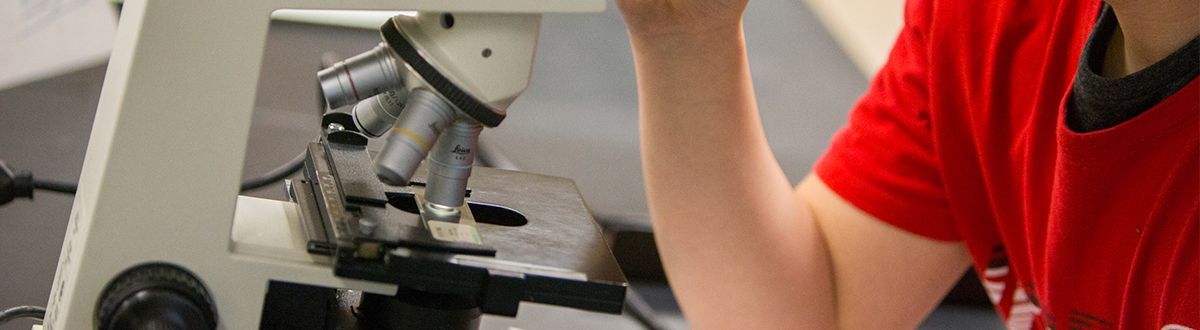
(415, 132)
(450, 163)
(376, 115)
(362, 76)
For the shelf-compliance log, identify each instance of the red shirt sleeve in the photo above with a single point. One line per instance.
(884, 160)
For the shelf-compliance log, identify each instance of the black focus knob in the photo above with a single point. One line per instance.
(155, 296)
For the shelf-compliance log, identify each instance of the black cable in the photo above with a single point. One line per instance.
(22, 312)
(14, 180)
(55, 186)
(22, 184)
(279, 173)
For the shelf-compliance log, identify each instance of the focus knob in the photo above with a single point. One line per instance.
(155, 296)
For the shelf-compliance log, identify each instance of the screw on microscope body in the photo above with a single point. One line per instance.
(333, 128)
(366, 226)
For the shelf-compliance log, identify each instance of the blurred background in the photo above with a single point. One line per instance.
(810, 60)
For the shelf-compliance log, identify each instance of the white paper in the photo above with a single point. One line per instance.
(44, 38)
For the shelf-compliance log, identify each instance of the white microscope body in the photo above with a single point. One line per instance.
(160, 179)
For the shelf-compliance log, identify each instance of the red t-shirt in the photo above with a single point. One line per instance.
(961, 138)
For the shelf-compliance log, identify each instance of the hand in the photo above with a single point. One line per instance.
(673, 17)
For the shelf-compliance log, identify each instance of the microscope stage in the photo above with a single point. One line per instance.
(539, 242)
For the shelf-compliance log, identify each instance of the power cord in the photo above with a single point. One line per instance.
(22, 312)
(55, 186)
(275, 175)
(21, 184)
(14, 185)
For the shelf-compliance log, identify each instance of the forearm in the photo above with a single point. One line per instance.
(740, 248)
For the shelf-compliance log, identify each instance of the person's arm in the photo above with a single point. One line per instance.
(741, 247)
(885, 277)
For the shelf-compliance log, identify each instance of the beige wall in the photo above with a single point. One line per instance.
(864, 28)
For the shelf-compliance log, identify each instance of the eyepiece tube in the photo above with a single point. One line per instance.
(425, 116)
(450, 163)
(362, 76)
(375, 115)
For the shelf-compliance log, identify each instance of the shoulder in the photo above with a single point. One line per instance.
(957, 18)
(986, 45)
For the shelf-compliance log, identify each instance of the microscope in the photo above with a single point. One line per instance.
(412, 236)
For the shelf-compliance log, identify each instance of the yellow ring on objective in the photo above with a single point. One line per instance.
(414, 136)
